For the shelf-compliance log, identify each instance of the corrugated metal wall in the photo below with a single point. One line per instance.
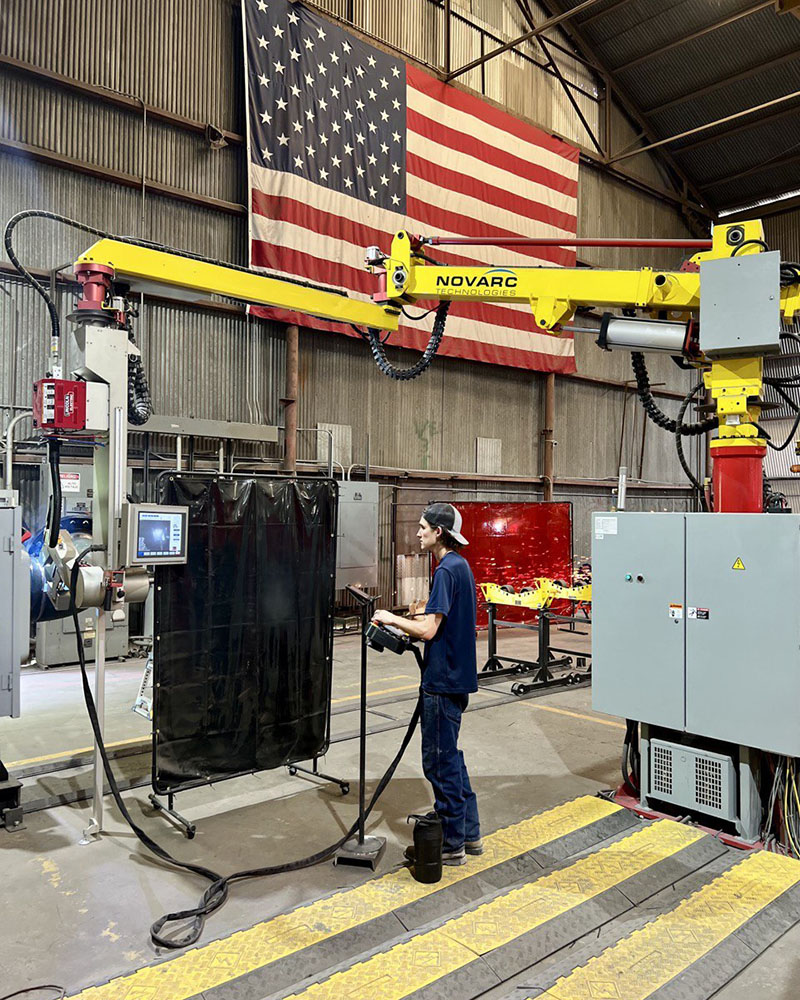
(185, 58)
(783, 233)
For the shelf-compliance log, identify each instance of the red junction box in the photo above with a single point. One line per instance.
(59, 404)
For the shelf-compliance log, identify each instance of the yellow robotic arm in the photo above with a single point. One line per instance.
(554, 293)
(167, 273)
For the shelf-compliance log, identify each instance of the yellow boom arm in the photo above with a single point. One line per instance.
(161, 272)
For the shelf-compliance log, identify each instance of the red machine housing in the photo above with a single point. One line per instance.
(738, 479)
(59, 405)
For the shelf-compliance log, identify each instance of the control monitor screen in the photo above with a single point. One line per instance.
(160, 534)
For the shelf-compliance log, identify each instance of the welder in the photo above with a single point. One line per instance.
(450, 675)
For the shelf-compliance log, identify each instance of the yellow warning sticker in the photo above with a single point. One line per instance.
(738, 564)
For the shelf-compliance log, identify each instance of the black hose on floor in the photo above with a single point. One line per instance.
(217, 892)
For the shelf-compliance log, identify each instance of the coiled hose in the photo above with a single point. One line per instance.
(653, 410)
(679, 429)
(140, 404)
(405, 374)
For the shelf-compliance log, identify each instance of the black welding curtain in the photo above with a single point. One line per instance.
(243, 638)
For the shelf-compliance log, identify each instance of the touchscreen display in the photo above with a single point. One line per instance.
(159, 534)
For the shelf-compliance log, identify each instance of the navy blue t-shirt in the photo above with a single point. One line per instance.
(450, 661)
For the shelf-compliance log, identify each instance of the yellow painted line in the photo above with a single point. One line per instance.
(373, 694)
(574, 715)
(219, 962)
(638, 966)
(415, 964)
(145, 741)
(67, 754)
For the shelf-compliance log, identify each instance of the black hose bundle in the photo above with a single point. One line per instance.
(54, 508)
(652, 409)
(679, 429)
(405, 374)
(140, 405)
(631, 756)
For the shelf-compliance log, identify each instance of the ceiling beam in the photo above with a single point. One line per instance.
(600, 13)
(759, 210)
(625, 101)
(726, 81)
(743, 127)
(702, 128)
(551, 22)
(701, 33)
(523, 6)
(777, 161)
(776, 208)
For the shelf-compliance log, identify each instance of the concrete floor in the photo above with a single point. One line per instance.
(77, 915)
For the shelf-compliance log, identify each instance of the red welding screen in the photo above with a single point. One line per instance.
(512, 543)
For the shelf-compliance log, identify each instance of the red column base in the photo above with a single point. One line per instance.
(738, 479)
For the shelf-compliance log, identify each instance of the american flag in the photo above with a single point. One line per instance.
(348, 144)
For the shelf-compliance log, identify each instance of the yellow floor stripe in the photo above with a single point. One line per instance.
(147, 740)
(68, 754)
(653, 956)
(220, 961)
(417, 963)
(574, 715)
(375, 694)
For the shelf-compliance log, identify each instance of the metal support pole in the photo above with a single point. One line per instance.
(492, 636)
(290, 399)
(362, 850)
(447, 66)
(100, 702)
(547, 434)
(10, 446)
(544, 647)
(366, 614)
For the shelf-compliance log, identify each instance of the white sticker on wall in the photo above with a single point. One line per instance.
(605, 526)
(676, 611)
(70, 482)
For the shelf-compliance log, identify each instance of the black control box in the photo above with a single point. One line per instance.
(382, 637)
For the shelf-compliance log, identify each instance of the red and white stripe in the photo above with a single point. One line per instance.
(471, 170)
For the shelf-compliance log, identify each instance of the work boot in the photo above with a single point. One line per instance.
(455, 857)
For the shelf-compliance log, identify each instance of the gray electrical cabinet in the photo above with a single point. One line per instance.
(55, 640)
(357, 541)
(697, 624)
(15, 596)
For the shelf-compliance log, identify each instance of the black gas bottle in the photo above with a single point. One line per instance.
(427, 848)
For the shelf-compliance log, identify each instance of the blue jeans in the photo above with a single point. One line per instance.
(443, 765)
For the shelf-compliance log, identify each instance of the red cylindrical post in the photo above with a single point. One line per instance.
(738, 479)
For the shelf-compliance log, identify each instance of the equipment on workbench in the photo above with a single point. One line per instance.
(541, 595)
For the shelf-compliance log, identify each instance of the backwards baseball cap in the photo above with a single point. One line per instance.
(445, 515)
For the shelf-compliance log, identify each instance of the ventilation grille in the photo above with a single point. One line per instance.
(708, 782)
(662, 769)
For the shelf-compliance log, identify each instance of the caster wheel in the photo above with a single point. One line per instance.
(508, 589)
(520, 668)
(345, 789)
(526, 590)
(518, 688)
(569, 662)
(190, 832)
(292, 771)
